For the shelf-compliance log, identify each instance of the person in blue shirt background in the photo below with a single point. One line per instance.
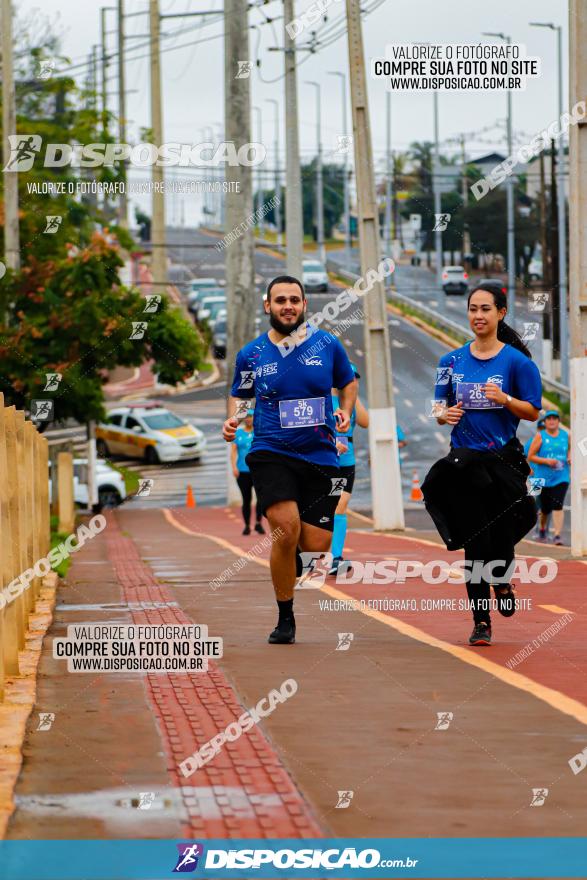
(536, 471)
(553, 444)
(346, 462)
(241, 446)
(483, 389)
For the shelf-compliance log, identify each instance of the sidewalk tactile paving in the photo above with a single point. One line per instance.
(245, 791)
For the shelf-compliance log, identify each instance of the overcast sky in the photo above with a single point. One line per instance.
(193, 76)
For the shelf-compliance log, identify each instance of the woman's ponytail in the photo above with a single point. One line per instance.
(505, 333)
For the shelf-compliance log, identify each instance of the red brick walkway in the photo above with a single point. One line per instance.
(245, 791)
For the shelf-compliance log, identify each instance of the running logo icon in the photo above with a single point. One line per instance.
(23, 151)
(344, 800)
(441, 222)
(46, 719)
(247, 379)
(338, 484)
(443, 375)
(539, 795)
(444, 719)
(187, 861)
(344, 641)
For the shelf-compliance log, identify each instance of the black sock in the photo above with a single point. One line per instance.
(299, 563)
(285, 610)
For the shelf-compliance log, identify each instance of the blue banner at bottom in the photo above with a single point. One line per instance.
(336, 857)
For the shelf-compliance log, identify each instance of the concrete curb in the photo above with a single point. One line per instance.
(20, 698)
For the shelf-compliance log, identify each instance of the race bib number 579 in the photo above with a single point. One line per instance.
(302, 413)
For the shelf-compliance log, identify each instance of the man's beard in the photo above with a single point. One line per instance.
(285, 329)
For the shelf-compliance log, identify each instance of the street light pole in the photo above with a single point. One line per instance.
(388, 172)
(158, 249)
(437, 199)
(277, 208)
(511, 229)
(319, 192)
(294, 227)
(347, 200)
(562, 214)
(260, 197)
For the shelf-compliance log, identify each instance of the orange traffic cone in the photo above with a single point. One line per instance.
(416, 493)
(190, 501)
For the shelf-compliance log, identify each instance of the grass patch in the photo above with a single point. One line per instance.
(58, 537)
(131, 478)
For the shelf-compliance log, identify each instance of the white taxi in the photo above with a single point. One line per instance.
(148, 431)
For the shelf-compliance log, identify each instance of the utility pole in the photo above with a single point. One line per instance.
(277, 208)
(319, 183)
(123, 201)
(388, 173)
(466, 233)
(240, 275)
(553, 234)
(546, 278)
(158, 249)
(260, 188)
(104, 67)
(386, 487)
(437, 199)
(578, 279)
(11, 231)
(294, 227)
(562, 214)
(346, 191)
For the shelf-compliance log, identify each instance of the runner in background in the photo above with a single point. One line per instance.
(240, 448)
(550, 451)
(536, 474)
(345, 447)
(401, 438)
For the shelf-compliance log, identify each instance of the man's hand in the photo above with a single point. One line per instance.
(229, 429)
(495, 393)
(453, 414)
(343, 420)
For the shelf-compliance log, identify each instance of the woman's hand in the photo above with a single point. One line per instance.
(495, 393)
(341, 448)
(453, 414)
(235, 473)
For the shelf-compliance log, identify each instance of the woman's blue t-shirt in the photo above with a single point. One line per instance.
(461, 375)
(243, 440)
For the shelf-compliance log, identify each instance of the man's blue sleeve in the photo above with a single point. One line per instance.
(243, 382)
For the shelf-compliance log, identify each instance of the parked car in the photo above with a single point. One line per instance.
(219, 331)
(209, 308)
(314, 276)
(454, 280)
(109, 483)
(149, 431)
(535, 269)
(196, 297)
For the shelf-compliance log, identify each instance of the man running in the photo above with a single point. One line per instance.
(290, 370)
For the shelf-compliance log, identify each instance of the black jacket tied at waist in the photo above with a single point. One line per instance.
(470, 490)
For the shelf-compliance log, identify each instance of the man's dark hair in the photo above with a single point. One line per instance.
(285, 279)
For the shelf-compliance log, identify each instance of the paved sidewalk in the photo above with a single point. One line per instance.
(364, 720)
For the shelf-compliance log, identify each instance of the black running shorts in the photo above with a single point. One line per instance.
(316, 489)
(348, 471)
(553, 497)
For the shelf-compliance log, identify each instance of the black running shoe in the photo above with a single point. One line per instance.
(247, 530)
(284, 633)
(481, 635)
(506, 600)
(259, 528)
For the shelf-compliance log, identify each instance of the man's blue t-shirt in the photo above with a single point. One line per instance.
(460, 376)
(242, 440)
(293, 413)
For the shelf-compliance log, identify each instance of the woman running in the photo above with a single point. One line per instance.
(346, 462)
(550, 451)
(239, 450)
(477, 494)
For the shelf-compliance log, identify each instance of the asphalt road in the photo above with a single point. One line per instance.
(414, 359)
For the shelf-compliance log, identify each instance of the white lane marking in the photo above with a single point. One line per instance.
(397, 344)
(440, 437)
(423, 418)
(359, 352)
(409, 403)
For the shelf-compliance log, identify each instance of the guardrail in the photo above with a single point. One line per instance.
(24, 529)
(443, 323)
